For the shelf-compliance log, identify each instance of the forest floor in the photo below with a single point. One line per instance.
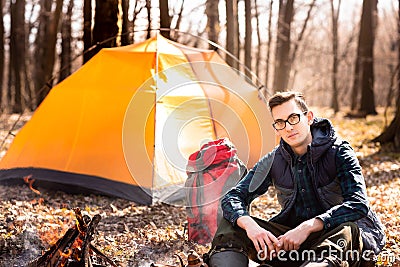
(135, 235)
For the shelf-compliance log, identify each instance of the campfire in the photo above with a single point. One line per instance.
(74, 249)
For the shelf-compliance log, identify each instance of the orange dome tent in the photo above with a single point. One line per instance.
(125, 123)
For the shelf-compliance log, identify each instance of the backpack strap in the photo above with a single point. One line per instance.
(189, 194)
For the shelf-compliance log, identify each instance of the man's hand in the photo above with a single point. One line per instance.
(262, 239)
(292, 239)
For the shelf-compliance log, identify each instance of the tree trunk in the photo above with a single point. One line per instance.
(105, 28)
(17, 54)
(392, 134)
(335, 53)
(165, 20)
(148, 7)
(282, 60)
(297, 42)
(126, 37)
(50, 49)
(267, 63)
(248, 37)
(12, 85)
(364, 67)
(398, 61)
(2, 55)
(136, 10)
(66, 52)
(258, 56)
(231, 32)
(40, 44)
(367, 38)
(87, 30)
(46, 40)
(356, 82)
(27, 62)
(212, 21)
(237, 34)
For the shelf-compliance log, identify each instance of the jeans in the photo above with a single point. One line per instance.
(341, 244)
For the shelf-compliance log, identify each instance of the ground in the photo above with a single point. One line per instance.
(134, 235)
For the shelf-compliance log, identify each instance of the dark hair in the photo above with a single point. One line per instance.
(282, 97)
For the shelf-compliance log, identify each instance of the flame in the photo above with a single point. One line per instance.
(28, 179)
(77, 246)
(67, 254)
(54, 226)
(54, 229)
(64, 257)
(49, 235)
(74, 252)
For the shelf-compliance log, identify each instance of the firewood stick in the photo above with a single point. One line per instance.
(86, 242)
(82, 226)
(53, 254)
(104, 257)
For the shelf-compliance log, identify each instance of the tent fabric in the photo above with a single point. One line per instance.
(125, 123)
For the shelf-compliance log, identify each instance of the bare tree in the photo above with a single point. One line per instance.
(30, 99)
(238, 53)
(248, 37)
(297, 42)
(2, 55)
(105, 27)
(136, 10)
(356, 82)
(335, 54)
(367, 38)
(66, 36)
(232, 45)
(87, 30)
(258, 55)
(391, 135)
(267, 63)
(212, 21)
(46, 40)
(364, 67)
(148, 7)
(17, 55)
(282, 60)
(43, 22)
(126, 33)
(165, 19)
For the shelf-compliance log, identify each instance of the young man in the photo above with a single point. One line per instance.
(325, 218)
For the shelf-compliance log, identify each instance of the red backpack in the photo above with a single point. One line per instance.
(212, 171)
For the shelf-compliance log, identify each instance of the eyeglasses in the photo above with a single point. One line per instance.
(293, 119)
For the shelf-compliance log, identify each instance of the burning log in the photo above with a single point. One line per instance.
(74, 249)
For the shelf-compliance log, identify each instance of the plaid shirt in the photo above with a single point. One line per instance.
(307, 205)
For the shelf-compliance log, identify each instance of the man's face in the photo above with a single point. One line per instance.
(298, 136)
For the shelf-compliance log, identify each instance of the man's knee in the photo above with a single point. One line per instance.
(228, 258)
(346, 233)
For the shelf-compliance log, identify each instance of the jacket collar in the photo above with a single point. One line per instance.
(323, 136)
